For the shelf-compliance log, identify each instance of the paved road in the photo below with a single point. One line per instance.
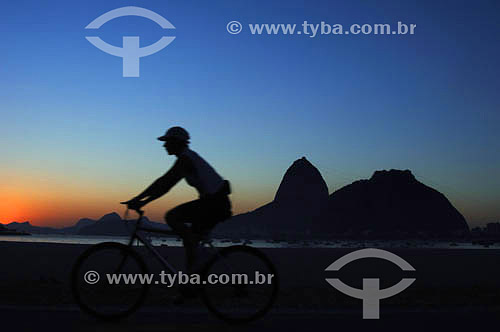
(70, 319)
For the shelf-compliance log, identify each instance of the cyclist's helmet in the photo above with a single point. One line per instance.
(177, 133)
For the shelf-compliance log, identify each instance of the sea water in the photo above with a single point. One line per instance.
(175, 242)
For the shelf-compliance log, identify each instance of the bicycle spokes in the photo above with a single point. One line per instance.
(241, 284)
(101, 280)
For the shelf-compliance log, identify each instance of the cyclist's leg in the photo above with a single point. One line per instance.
(215, 210)
(178, 217)
(203, 214)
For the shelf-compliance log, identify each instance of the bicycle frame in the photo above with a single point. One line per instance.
(137, 235)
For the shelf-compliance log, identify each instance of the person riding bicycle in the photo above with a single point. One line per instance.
(213, 205)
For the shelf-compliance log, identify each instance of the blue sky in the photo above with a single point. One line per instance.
(74, 128)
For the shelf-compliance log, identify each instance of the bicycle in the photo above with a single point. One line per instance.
(220, 299)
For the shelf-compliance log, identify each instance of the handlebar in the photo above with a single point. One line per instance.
(139, 211)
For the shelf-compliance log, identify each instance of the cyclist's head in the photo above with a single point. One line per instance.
(176, 139)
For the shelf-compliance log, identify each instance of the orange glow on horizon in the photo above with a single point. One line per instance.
(10, 210)
(59, 201)
(65, 210)
(62, 203)
(13, 204)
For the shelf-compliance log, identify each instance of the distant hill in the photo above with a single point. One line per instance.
(27, 227)
(110, 224)
(79, 225)
(5, 231)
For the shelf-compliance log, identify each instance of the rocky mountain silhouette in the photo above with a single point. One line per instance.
(302, 184)
(299, 202)
(393, 202)
(110, 224)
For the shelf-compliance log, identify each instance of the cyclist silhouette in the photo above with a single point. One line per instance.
(213, 205)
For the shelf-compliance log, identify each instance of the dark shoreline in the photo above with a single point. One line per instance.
(37, 273)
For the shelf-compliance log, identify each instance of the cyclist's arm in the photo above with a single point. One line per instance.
(163, 184)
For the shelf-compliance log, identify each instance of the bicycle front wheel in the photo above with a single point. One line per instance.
(105, 281)
(240, 284)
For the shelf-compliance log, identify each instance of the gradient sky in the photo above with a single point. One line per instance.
(77, 137)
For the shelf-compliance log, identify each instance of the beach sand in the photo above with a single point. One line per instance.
(38, 274)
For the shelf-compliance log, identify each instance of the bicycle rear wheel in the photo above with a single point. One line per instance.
(240, 284)
(96, 288)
